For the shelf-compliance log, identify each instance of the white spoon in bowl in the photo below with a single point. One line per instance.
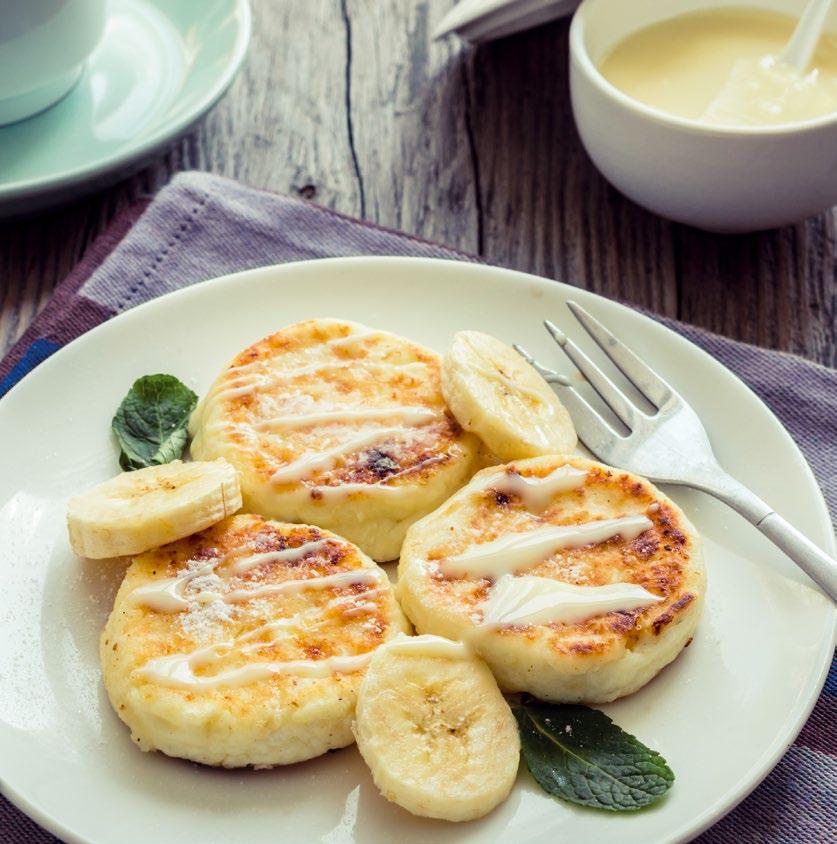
(800, 49)
(775, 89)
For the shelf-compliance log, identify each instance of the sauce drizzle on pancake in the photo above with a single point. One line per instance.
(517, 551)
(535, 493)
(542, 600)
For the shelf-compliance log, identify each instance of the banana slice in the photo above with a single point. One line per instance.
(137, 511)
(434, 729)
(495, 394)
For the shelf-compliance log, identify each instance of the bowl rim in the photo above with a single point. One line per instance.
(580, 57)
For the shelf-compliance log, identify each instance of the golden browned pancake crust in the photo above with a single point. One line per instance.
(562, 661)
(265, 721)
(315, 388)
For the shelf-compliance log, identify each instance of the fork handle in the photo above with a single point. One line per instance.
(818, 565)
(809, 557)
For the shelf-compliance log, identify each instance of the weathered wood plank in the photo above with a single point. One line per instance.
(284, 128)
(410, 121)
(776, 289)
(546, 209)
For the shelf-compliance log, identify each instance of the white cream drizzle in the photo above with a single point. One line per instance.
(241, 375)
(234, 392)
(518, 551)
(278, 375)
(296, 409)
(541, 600)
(241, 382)
(349, 605)
(350, 339)
(535, 493)
(166, 595)
(329, 581)
(428, 645)
(286, 555)
(343, 490)
(178, 671)
(246, 368)
(278, 630)
(302, 467)
(407, 415)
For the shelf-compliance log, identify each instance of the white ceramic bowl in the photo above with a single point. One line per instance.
(726, 179)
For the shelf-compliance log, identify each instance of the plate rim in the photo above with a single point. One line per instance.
(774, 752)
(138, 148)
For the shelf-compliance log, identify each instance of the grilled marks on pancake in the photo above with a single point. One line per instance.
(668, 616)
(359, 370)
(251, 579)
(335, 424)
(657, 559)
(568, 643)
(269, 678)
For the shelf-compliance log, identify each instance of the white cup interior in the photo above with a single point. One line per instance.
(600, 25)
(607, 22)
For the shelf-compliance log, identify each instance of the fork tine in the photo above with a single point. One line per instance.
(610, 393)
(640, 374)
(592, 429)
(549, 375)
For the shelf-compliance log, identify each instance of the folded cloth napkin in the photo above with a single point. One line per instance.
(202, 226)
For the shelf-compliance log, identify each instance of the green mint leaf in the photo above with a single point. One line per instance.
(580, 755)
(151, 424)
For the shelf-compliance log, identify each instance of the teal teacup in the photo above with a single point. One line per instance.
(43, 47)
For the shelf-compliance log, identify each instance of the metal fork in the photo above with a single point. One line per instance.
(669, 445)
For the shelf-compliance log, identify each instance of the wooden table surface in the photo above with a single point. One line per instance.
(351, 104)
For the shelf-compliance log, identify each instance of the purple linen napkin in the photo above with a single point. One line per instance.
(202, 226)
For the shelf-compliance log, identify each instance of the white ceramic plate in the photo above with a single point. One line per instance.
(722, 714)
(161, 64)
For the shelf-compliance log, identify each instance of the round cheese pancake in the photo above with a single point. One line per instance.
(338, 425)
(574, 581)
(246, 644)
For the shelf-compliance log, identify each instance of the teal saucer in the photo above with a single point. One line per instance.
(158, 68)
